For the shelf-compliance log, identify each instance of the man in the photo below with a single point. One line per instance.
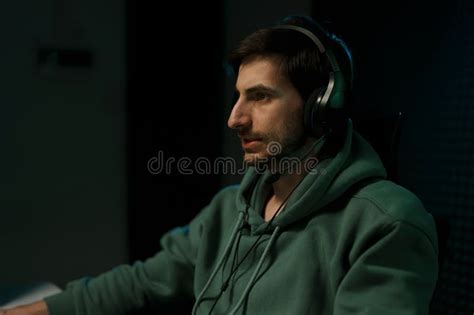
(327, 237)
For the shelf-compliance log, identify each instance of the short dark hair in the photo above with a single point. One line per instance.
(302, 62)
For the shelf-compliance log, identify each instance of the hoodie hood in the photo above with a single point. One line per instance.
(329, 179)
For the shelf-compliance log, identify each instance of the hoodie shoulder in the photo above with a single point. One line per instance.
(224, 198)
(226, 192)
(399, 204)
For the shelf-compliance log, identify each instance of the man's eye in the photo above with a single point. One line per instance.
(260, 96)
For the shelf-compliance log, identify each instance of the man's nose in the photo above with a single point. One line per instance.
(239, 118)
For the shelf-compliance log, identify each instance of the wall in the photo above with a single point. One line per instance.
(62, 184)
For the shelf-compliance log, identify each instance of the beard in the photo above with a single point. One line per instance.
(285, 142)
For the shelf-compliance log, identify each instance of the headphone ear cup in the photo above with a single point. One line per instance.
(312, 113)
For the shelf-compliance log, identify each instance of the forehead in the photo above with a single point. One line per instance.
(266, 70)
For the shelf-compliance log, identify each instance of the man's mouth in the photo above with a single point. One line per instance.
(248, 143)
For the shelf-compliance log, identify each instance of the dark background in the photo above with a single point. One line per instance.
(76, 196)
(174, 106)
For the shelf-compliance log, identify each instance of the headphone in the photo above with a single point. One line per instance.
(325, 100)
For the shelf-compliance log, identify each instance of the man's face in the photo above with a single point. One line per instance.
(268, 112)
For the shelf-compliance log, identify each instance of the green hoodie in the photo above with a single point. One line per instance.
(347, 242)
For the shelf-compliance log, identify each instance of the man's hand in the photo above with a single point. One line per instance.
(37, 308)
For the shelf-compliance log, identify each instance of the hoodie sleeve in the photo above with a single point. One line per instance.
(157, 283)
(395, 274)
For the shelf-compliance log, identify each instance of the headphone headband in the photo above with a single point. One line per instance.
(322, 49)
(332, 95)
(305, 31)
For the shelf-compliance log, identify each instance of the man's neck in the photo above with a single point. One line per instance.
(288, 180)
(281, 190)
(285, 184)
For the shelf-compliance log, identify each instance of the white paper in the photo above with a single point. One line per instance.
(33, 295)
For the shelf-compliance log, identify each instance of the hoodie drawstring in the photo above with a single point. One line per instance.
(221, 260)
(255, 273)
